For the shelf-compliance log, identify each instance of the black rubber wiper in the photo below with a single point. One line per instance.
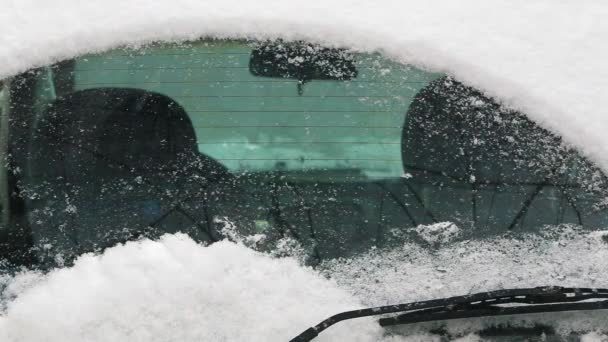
(526, 300)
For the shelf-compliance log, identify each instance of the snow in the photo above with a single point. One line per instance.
(594, 337)
(546, 57)
(175, 289)
(440, 232)
(413, 272)
(560, 256)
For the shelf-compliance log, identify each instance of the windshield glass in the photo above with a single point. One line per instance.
(338, 152)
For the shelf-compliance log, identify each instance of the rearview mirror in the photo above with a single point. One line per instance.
(301, 61)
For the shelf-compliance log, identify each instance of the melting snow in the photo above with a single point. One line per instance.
(441, 232)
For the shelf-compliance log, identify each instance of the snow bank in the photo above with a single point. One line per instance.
(546, 57)
(176, 290)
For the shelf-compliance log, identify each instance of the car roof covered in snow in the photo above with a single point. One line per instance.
(545, 57)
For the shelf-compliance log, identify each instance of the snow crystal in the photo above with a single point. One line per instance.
(407, 175)
(441, 232)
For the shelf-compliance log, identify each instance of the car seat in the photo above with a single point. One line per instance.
(108, 165)
(480, 165)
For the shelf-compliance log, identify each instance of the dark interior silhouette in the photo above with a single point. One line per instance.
(109, 165)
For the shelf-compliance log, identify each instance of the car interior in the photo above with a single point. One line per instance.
(200, 137)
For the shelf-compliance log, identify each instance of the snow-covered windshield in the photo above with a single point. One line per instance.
(193, 138)
(349, 161)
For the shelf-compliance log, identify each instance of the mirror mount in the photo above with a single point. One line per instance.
(301, 61)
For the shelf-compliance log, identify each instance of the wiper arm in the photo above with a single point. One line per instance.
(533, 300)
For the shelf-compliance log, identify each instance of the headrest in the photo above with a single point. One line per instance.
(452, 130)
(130, 126)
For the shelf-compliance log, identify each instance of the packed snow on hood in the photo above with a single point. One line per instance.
(176, 290)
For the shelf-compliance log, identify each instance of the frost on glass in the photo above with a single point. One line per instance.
(413, 272)
(325, 153)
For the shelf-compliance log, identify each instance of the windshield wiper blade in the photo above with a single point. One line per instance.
(527, 300)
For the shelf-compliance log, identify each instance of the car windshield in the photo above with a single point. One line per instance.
(334, 150)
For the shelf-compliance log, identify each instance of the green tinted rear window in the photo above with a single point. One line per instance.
(351, 152)
(252, 123)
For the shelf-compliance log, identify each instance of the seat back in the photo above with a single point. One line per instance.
(111, 164)
(481, 165)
